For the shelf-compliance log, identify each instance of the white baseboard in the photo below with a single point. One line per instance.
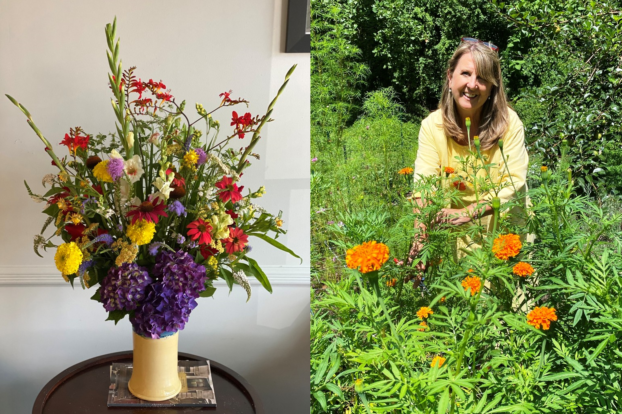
(49, 275)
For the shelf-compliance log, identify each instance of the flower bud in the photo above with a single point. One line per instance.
(600, 136)
(182, 106)
(92, 161)
(467, 122)
(569, 171)
(501, 143)
(476, 141)
(130, 139)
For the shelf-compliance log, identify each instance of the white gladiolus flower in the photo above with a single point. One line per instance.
(164, 187)
(134, 168)
(115, 154)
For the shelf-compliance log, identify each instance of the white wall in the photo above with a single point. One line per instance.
(53, 61)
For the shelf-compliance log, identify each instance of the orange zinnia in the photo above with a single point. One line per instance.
(424, 312)
(438, 360)
(405, 171)
(506, 246)
(541, 316)
(472, 282)
(367, 257)
(423, 326)
(522, 269)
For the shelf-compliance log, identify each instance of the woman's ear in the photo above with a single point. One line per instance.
(449, 78)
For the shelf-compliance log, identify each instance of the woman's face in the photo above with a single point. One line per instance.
(470, 92)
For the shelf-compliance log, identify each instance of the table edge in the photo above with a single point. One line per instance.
(55, 382)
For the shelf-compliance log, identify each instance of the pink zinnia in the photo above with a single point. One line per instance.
(200, 229)
(230, 190)
(236, 240)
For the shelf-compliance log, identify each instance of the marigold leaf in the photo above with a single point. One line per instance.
(335, 389)
(321, 398)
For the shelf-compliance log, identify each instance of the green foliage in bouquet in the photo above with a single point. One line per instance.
(511, 324)
(156, 203)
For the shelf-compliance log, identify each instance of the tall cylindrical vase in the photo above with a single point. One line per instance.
(154, 372)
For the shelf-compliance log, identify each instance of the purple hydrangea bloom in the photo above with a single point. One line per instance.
(124, 287)
(115, 168)
(179, 273)
(162, 311)
(202, 156)
(177, 208)
(106, 238)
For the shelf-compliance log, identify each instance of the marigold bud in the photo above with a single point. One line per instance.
(501, 143)
(476, 142)
(467, 122)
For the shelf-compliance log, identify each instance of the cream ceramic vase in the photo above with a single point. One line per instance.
(154, 372)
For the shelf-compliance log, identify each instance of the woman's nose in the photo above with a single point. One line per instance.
(472, 83)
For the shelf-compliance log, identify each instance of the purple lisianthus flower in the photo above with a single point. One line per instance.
(179, 273)
(177, 208)
(115, 168)
(202, 156)
(124, 287)
(106, 238)
(162, 312)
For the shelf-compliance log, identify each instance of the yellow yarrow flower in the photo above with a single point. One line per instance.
(191, 158)
(141, 232)
(68, 258)
(101, 172)
(213, 263)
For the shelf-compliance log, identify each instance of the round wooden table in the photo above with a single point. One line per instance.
(83, 389)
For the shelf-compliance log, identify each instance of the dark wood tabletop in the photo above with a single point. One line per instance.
(83, 389)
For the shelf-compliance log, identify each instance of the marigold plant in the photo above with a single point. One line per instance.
(522, 269)
(405, 171)
(438, 361)
(472, 282)
(541, 316)
(423, 326)
(506, 246)
(367, 257)
(449, 170)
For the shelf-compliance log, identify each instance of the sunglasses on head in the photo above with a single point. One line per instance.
(473, 40)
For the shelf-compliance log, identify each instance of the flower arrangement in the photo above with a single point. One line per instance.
(152, 214)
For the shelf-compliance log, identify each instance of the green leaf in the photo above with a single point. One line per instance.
(599, 349)
(53, 190)
(321, 370)
(577, 317)
(52, 210)
(256, 271)
(116, 316)
(560, 376)
(96, 296)
(275, 244)
(208, 292)
(335, 389)
(226, 274)
(444, 402)
(319, 395)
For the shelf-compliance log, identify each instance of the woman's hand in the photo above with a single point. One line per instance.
(454, 216)
(417, 246)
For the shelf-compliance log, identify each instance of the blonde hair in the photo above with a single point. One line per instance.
(495, 117)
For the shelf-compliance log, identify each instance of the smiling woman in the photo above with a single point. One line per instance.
(473, 113)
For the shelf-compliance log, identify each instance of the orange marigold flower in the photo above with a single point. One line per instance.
(541, 316)
(424, 312)
(405, 171)
(367, 257)
(472, 282)
(443, 299)
(506, 246)
(522, 269)
(438, 360)
(544, 168)
(423, 326)
(449, 170)
(391, 282)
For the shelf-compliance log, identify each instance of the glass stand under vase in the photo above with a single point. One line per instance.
(154, 374)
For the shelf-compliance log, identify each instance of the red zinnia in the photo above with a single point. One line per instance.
(58, 196)
(75, 230)
(148, 210)
(232, 214)
(200, 229)
(236, 240)
(207, 251)
(230, 190)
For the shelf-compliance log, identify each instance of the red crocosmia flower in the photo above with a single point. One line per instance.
(98, 188)
(121, 84)
(73, 143)
(139, 88)
(232, 214)
(164, 96)
(200, 230)
(225, 97)
(236, 240)
(207, 251)
(241, 122)
(149, 210)
(230, 190)
(75, 230)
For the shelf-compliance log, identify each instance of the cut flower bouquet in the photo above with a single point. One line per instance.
(152, 214)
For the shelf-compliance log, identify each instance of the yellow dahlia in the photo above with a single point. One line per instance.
(473, 283)
(506, 246)
(405, 171)
(367, 257)
(438, 360)
(141, 232)
(541, 316)
(101, 172)
(424, 312)
(522, 269)
(68, 258)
